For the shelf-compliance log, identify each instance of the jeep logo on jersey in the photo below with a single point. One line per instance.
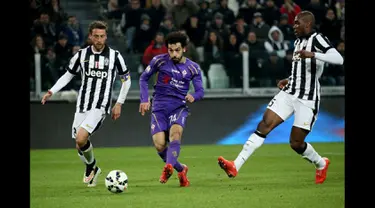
(96, 73)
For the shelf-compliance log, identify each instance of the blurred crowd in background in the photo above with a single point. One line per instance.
(218, 31)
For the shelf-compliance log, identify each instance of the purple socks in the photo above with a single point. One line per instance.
(170, 155)
(163, 154)
(173, 152)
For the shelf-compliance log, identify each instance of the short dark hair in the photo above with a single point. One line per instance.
(176, 37)
(307, 16)
(98, 25)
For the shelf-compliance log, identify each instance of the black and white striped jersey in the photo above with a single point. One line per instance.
(98, 72)
(304, 80)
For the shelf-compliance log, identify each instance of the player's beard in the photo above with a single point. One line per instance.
(98, 47)
(176, 60)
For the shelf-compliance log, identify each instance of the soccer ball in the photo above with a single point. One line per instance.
(116, 181)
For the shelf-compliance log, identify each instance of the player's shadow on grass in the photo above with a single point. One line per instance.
(98, 190)
(224, 181)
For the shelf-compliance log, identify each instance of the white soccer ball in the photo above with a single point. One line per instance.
(116, 181)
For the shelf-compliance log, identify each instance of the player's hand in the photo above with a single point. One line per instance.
(281, 84)
(116, 111)
(305, 54)
(46, 97)
(144, 107)
(189, 98)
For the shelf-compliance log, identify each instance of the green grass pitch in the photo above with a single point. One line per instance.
(274, 177)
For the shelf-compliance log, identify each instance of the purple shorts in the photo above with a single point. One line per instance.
(164, 116)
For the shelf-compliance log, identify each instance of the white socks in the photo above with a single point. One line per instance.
(312, 156)
(253, 143)
(83, 159)
(89, 153)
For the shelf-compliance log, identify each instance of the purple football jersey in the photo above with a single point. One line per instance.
(173, 80)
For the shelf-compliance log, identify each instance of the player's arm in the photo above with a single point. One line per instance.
(198, 85)
(282, 83)
(325, 51)
(72, 70)
(146, 75)
(124, 74)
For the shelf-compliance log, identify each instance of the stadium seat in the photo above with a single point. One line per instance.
(217, 77)
(200, 51)
(204, 81)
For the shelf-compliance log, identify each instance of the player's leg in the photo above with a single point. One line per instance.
(80, 155)
(173, 153)
(278, 110)
(160, 145)
(78, 118)
(160, 140)
(89, 125)
(305, 118)
(159, 125)
(158, 128)
(177, 120)
(174, 147)
(176, 123)
(97, 170)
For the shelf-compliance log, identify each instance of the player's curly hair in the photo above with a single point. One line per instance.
(176, 37)
(98, 25)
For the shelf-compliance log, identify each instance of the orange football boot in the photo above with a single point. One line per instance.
(166, 174)
(228, 167)
(321, 175)
(182, 176)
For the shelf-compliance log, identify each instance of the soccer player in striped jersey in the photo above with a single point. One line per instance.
(299, 95)
(174, 72)
(97, 65)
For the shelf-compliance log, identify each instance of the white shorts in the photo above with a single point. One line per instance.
(90, 120)
(305, 111)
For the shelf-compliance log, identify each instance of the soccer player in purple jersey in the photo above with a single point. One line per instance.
(174, 72)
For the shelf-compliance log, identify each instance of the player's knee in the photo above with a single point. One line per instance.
(175, 135)
(80, 143)
(81, 138)
(159, 141)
